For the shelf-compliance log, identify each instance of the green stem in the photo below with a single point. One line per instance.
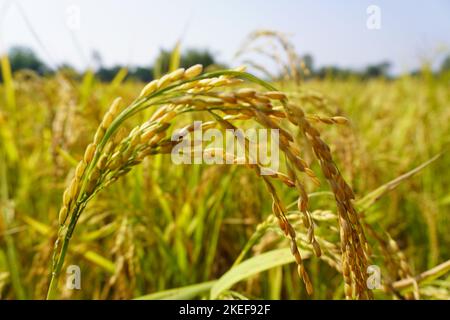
(260, 231)
(12, 261)
(52, 289)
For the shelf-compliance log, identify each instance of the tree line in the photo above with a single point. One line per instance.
(24, 58)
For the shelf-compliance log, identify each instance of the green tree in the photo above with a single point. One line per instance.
(188, 58)
(193, 56)
(162, 63)
(377, 70)
(144, 74)
(24, 58)
(308, 60)
(445, 64)
(107, 74)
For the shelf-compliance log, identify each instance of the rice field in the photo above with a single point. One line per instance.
(358, 209)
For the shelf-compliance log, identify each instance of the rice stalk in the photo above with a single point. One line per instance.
(114, 151)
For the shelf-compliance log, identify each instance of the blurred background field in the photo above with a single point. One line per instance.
(166, 226)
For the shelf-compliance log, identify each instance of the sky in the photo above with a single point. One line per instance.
(132, 32)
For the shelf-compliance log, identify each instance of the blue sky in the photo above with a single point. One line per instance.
(133, 31)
